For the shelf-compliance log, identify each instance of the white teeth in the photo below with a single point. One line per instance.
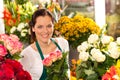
(45, 35)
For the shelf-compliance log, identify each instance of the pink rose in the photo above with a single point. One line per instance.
(47, 61)
(59, 54)
(3, 50)
(3, 37)
(14, 37)
(9, 44)
(53, 56)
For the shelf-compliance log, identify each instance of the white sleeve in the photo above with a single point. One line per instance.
(63, 43)
(31, 62)
(25, 60)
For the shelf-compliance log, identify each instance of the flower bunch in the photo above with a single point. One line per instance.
(56, 66)
(98, 54)
(15, 14)
(10, 46)
(76, 29)
(10, 68)
(22, 30)
(113, 73)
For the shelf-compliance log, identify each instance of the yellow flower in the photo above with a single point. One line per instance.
(76, 28)
(78, 62)
(118, 67)
(72, 78)
(118, 64)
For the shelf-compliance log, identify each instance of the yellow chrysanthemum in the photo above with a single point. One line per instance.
(76, 28)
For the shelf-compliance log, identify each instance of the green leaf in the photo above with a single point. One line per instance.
(92, 77)
(80, 72)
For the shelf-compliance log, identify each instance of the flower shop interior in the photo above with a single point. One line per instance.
(92, 28)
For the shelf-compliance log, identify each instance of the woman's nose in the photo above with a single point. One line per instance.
(45, 29)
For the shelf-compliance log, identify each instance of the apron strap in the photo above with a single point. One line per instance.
(56, 44)
(44, 74)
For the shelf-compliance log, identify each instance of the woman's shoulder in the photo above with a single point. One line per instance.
(63, 43)
(61, 39)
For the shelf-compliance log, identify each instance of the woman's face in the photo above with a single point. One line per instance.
(43, 28)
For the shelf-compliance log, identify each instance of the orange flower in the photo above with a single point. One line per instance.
(74, 61)
(7, 14)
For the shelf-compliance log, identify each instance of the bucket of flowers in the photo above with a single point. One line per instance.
(97, 55)
(76, 29)
(10, 68)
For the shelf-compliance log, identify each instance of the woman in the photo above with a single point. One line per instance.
(41, 26)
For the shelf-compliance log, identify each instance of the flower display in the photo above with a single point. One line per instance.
(97, 55)
(18, 15)
(10, 68)
(56, 66)
(76, 29)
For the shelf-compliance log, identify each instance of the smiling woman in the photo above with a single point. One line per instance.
(41, 27)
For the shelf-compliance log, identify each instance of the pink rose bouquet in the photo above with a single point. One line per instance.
(10, 68)
(56, 66)
(10, 46)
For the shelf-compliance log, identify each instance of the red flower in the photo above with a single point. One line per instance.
(23, 75)
(6, 72)
(12, 69)
(3, 50)
(1, 59)
(7, 14)
(109, 75)
(16, 66)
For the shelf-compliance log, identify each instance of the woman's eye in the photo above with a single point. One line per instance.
(49, 26)
(40, 26)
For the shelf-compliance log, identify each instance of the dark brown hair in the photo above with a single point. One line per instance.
(37, 13)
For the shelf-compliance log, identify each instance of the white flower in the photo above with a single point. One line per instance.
(80, 48)
(112, 45)
(116, 77)
(106, 39)
(13, 29)
(26, 24)
(114, 53)
(83, 46)
(93, 38)
(84, 56)
(118, 41)
(24, 32)
(97, 55)
(20, 26)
